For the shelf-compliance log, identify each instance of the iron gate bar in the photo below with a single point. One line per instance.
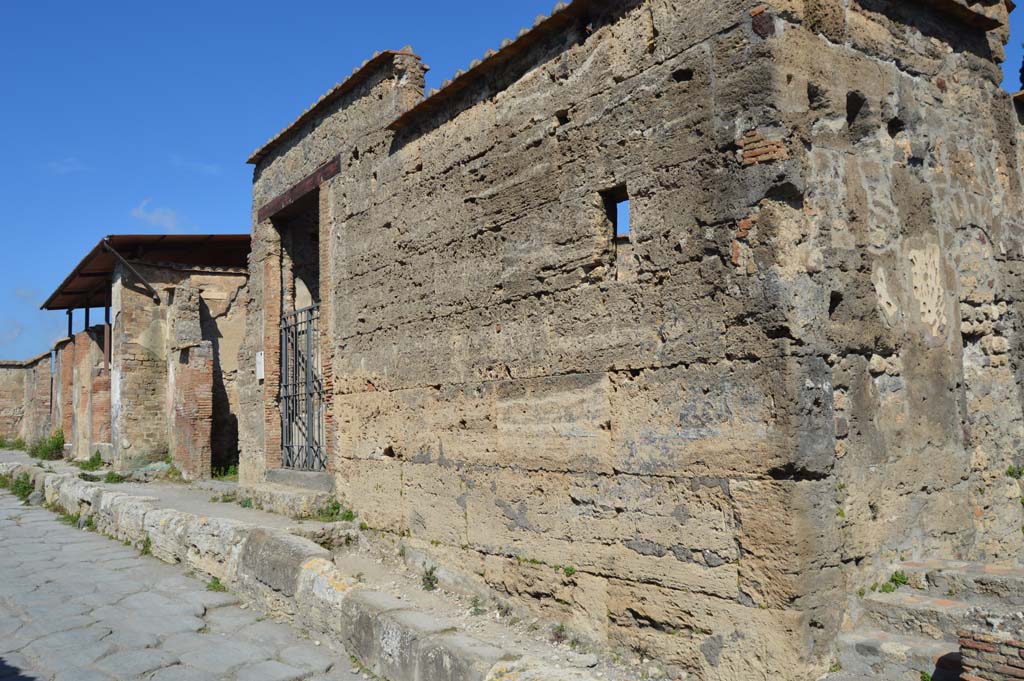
(302, 392)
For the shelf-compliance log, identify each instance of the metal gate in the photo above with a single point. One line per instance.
(302, 392)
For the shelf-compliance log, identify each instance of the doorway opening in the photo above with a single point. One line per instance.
(302, 397)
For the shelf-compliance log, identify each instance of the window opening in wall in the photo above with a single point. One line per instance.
(619, 219)
(616, 206)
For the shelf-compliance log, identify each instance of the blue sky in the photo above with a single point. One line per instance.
(137, 117)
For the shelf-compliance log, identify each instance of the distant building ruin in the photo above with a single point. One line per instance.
(155, 381)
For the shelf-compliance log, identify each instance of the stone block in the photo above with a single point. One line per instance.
(275, 559)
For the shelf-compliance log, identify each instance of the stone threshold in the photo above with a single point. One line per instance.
(294, 579)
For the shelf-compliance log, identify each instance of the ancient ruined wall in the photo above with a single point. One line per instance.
(38, 388)
(801, 364)
(12, 398)
(515, 395)
(152, 342)
(25, 398)
(906, 243)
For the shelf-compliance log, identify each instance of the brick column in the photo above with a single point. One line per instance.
(272, 343)
(101, 408)
(67, 387)
(192, 411)
(326, 319)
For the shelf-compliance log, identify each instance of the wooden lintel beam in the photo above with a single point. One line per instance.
(313, 181)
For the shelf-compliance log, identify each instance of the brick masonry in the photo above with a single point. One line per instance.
(192, 410)
(991, 657)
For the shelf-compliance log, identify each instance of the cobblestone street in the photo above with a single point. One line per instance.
(76, 606)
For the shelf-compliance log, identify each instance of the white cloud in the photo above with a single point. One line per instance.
(198, 167)
(26, 295)
(164, 218)
(65, 166)
(10, 332)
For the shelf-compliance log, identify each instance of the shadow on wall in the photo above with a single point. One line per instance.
(224, 428)
(11, 673)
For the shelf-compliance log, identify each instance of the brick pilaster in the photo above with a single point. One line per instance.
(272, 344)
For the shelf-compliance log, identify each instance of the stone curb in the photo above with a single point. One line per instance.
(293, 577)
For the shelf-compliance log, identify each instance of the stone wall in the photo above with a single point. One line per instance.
(25, 398)
(693, 441)
(903, 237)
(175, 365)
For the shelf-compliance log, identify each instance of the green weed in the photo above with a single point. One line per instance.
(93, 463)
(114, 478)
(215, 585)
(899, 578)
(333, 512)
(429, 579)
(147, 546)
(22, 486)
(47, 449)
(227, 473)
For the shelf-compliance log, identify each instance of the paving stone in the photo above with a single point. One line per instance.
(16, 642)
(130, 663)
(267, 633)
(270, 671)
(82, 675)
(151, 602)
(209, 600)
(184, 673)
(8, 625)
(183, 643)
(229, 620)
(222, 655)
(317, 661)
(132, 639)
